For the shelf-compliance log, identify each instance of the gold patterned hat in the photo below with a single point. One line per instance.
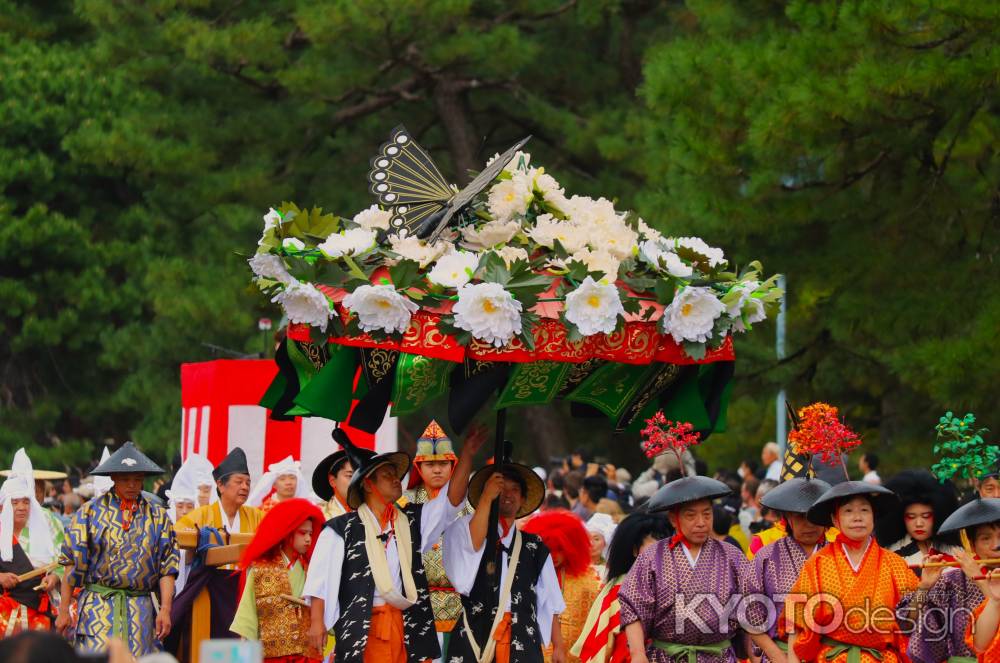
(434, 445)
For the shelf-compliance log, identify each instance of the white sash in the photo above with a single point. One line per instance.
(486, 655)
(379, 564)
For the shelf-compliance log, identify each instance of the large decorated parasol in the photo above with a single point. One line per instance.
(507, 287)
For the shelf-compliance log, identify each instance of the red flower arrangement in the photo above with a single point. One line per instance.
(820, 433)
(662, 435)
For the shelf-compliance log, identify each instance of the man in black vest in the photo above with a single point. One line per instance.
(366, 578)
(507, 615)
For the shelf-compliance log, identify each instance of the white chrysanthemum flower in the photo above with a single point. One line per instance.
(747, 310)
(293, 244)
(614, 237)
(490, 234)
(380, 307)
(373, 218)
(488, 312)
(453, 270)
(601, 262)
(412, 247)
(510, 198)
(305, 304)
(520, 160)
(270, 266)
(715, 256)
(547, 229)
(549, 188)
(272, 219)
(348, 243)
(692, 314)
(510, 254)
(594, 307)
(649, 232)
(659, 254)
(589, 213)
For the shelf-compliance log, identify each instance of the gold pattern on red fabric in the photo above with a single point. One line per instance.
(635, 343)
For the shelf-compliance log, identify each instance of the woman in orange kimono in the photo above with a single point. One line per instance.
(842, 607)
(982, 635)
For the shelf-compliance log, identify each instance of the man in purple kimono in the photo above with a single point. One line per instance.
(941, 607)
(683, 592)
(776, 566)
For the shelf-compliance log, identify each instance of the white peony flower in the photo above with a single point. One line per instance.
(348, 243)
(373, 218)
(547, 229)
(594, 307)
(270, 266)
(453, 270)
(380, 307)
(692, 314)
(293, 244)
(660, 255)
(746, 307)
(715, 256)
(510, 198)
(304, 303)
(511, 254)
(601, 262)
(412, 247)
(488, 312)
(490, 233)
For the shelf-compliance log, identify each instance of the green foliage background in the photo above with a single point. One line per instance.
(849, 145)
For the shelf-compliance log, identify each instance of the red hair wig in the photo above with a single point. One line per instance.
(280, 523)
(563, 533)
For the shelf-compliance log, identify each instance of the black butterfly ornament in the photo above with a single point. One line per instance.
(404, 178)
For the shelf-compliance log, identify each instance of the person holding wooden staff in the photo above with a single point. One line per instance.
(511, 599)
(120, 549)
(367, 579)
(25, 603)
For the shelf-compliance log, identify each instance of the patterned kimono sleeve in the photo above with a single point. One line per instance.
(807, 640)
(750, 576)
(637, 596)
(905, 582)
(169, 555)
(75, 548)
(924, 619)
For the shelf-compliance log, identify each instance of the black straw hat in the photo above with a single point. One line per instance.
(128, 459)
(321, 475)
(366, 461)
(880, 497)
(687, 489)
(980, 511)
(534, 487)
(795, 495)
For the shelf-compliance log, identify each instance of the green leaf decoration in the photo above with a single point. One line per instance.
(963, 449)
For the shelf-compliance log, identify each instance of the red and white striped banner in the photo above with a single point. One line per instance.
(219, 411)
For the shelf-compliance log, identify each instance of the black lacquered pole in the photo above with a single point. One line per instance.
(498, 458)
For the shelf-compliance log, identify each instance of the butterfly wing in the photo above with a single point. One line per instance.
(476, 186)
(402, 176)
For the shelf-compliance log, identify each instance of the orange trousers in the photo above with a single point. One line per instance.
(385, 636)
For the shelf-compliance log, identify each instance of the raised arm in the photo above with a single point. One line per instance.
(459, 484)
(481, 519)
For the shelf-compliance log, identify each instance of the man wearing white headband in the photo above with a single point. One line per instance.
(282, 481)
(22, 606)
